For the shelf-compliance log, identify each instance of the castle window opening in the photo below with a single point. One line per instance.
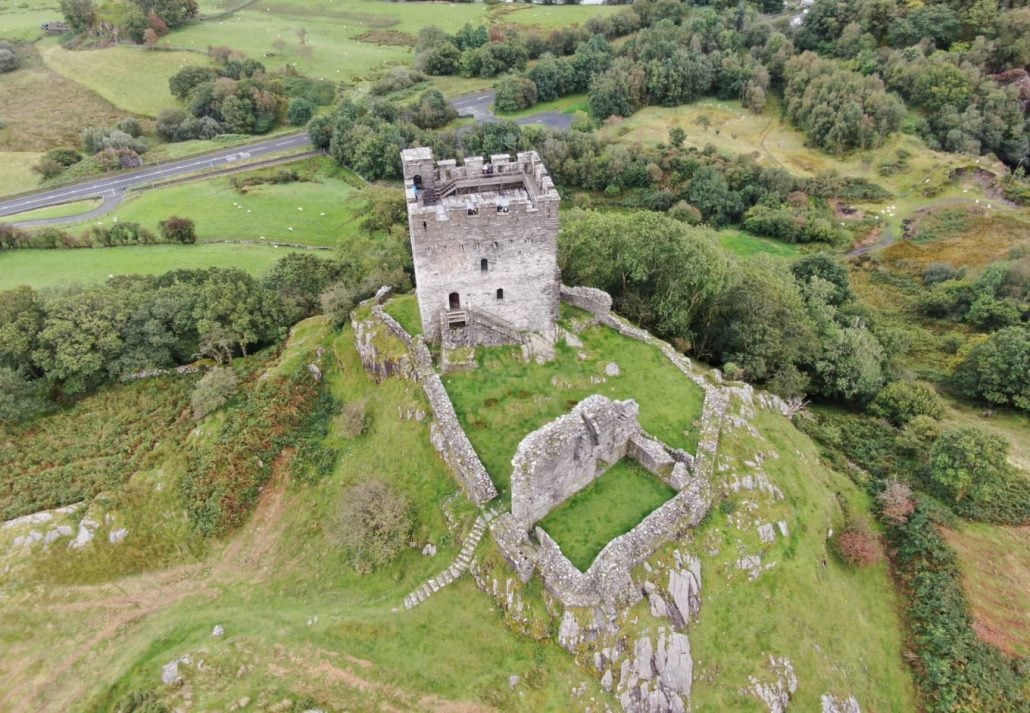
(473, 211)
(500, 293)
(454, 301)
(502, 209)
(424, 226)
(417, 180)
(484, 265)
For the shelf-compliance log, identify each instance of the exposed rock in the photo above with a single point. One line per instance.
(752, 564)
(57, 533)
(219, 630)
(606, 680)
(87, 528)
(170, 671)
(776, 694)
(315, 371)
(673, 662)
(572, 340)
(116, 536)
(834, 704)
(568, 631)
(612, 369)
(766, 533)
(685, 588)
(429, 550)
(513, 681)
(783, 528)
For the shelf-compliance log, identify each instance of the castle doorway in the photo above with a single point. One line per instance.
(454, 301)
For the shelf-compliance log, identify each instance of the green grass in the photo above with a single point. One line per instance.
(20, 19)
(799, 606)
(56, 268)
(16, 174)
(316, 212)
(610, 506)
(746, 245)
(299, 622)
(57, 211)
(130, 78)
(505, 399)
(404, 308)
(565, 105)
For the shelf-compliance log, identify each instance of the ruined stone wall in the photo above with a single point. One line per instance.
(555, 462)
(597, 302)
(446, 433)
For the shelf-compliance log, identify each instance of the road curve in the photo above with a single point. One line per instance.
(112, 188)
(114, 185)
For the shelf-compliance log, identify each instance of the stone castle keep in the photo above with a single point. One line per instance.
(484, 236)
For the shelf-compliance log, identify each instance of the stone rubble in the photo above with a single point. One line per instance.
(834, 704)
(775, 694)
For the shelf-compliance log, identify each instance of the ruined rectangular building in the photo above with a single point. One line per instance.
(484, 236)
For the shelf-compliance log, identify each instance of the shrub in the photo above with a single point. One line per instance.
(997, 370)
(8, 60)
(300, 111)
(178, 230)
(515, 93)
(686, 213)
(337, 303)
(966, 462)
(901, 401)
(941, 272)
(130, 125)
(858, 545)
(373, 524)
(919, 434)
(896, 502)
(353, 419)
(213, 391)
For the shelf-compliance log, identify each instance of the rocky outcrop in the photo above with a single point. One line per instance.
(658, 677)
(775, 692)
(835, 704)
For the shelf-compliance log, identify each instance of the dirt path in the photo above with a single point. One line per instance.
(125, 603)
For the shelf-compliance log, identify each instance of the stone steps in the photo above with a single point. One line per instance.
(458, 567)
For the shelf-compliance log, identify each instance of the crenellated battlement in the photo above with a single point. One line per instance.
(484, 238)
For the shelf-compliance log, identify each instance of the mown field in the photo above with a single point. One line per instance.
(20, 20)
(348, 39)
(16, 174)
(56, 268)
(130, 78)
(313, 212)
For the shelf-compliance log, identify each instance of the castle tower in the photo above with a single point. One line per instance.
(484, 237)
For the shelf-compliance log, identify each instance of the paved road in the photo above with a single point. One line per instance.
(112, 187)
(478, 107)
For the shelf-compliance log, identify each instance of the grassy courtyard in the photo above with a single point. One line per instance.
(505, 399)
(610, 506)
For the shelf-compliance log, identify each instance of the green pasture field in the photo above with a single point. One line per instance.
(16, 174)
(610, 506)
(20, 20)
(130, 78)
(564, 105)
(505, 399)
(745, 245)
(313, 213)
(57, 268)
(332, 50)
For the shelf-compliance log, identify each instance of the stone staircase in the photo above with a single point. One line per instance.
(458, 567)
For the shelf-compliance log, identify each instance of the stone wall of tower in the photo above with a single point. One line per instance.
(502, 260)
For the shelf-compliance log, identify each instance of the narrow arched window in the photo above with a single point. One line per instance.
(484, 265)
(500, 293)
